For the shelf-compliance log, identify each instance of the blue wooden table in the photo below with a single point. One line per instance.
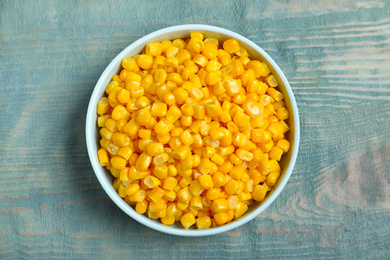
(336, 56)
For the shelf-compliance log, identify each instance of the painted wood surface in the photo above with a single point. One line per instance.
(336, 56)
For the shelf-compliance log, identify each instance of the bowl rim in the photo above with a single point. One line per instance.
(91, 125)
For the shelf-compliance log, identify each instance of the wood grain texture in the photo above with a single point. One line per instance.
(336, 56)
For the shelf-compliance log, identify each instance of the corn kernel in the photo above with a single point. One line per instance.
(187, 220)
(203, 222)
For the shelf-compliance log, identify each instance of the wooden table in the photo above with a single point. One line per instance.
(336, 56)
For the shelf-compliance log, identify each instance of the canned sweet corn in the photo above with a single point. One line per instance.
(193, 131)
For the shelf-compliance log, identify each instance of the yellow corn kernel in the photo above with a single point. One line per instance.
(213, 65)
(138, 196)
(231, 46)
(143, 162)
(230, 214)
(115, 172)
(214, 109)
(144, 133)
(247, 76)
(187, 220)
(124, 175)
(120, 124)
(113, 85)
(240, 210)
(199, 112)
(226, 167)
(196, 188)
(132, 189)
(241, 119)
(257, 135)
(164, 139)
(160, 159)
(259, 68)
(142, 207)
(186, 121)
(239, 139)
(157, 206)
(133, 159)
(170, 195)
(208, 152)
(174, 143)
(161, 171)
(196, 203)
(217, 159)
(168, 220)
(184, 195)
(163, 126)
(120, 112)
(151, 181)
(174, 113)
(213, 193)
(153, 48)
(284, 145)
(159, 109)
(237, 172)
(181, 152)
(243, 196)
(259, 192)
(123, 96)
(176, 131)
(185, 181)
(186, 137)
(156, 194)
(120, 139)
(102, 120)
(103, 106)
(219, 205)
(187, 163)
(203, 222)
(244, 155)
(118, 162)
(172, 171)
(129, 64)
(276, 153)
(112, 149)
(206, 182)
(278, 96)
(219, 179)
(275, 129)
(103, 157)
(231, 187)
(200, 60)
(172, 210)
(169, 183)
(145, 61)
(233, 201)
(264, 166)
(213, 77)
(272, 82)
(188, 72)
(272, 178)
(282, 113)
(221, 218)
(125, 152)
(205, 166)
(187, 110)
(154, 148)
(210, 50)
(144, 117)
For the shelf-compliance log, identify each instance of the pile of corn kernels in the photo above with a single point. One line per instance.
(193, 131)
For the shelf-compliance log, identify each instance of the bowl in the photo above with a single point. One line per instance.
(182, 31)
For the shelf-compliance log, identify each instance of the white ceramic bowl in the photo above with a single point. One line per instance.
(170, 33)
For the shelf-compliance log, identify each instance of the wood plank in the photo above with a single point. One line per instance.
(336, 56)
